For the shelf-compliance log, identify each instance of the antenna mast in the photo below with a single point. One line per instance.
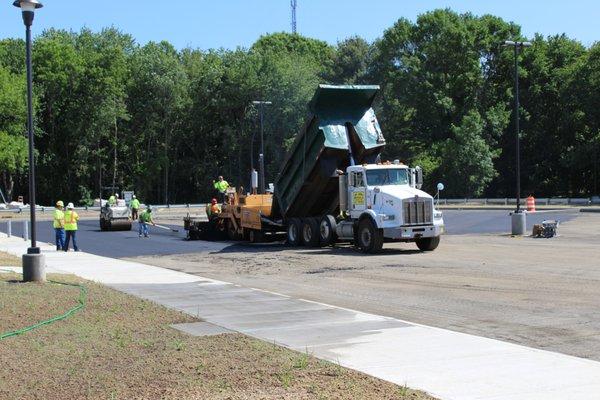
(293, 4)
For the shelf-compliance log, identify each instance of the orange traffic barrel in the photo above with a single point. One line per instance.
(530, 204)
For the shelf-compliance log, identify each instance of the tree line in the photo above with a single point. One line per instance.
(165, 122)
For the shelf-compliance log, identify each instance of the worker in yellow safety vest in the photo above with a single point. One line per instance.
(71, 218)
(134, 204)
(221, 186)
(59, 225)
(144, 220)
(112, 200)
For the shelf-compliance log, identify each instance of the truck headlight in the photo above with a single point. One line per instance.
(437, 214)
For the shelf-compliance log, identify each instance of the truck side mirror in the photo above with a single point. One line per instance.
(418, 177)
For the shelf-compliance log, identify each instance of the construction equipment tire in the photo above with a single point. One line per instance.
(293, 232)
(327, 233)
(310, 232)
(255, 236)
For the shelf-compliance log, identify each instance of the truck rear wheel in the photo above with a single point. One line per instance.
(370, 238)
(428, 244)
(310, 232)
(293, 231)
(327, 233)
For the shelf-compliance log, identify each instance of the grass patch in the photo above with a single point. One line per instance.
(121, 347)
(8, 260)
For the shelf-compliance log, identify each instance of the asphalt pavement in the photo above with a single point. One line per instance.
(162, 242)
(119, 244)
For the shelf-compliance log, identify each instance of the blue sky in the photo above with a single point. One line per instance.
(230, 23)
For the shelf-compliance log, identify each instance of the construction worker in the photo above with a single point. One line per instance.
(213, 208)
(71, 218)
(59, 225)
(221, 186)
(134, 204)
(112, 200)
(144, 220)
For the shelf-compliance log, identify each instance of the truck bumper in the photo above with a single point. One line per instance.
(413, 232)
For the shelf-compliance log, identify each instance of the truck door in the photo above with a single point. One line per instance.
(357, 193)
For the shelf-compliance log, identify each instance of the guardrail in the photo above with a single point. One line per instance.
(544, 201)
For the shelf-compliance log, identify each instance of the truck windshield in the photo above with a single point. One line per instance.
(392, 176)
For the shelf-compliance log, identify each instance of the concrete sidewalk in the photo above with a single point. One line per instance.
(446, 364)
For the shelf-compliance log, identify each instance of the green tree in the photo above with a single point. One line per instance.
(466, 160)
(350, 61)
(13, 143)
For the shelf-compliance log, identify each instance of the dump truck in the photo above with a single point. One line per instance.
(333, 186)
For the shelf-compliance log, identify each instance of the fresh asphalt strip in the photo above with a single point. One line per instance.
(122, 244)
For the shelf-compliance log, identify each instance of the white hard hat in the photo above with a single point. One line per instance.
(116, 194)
(70, 206)
(133, 197)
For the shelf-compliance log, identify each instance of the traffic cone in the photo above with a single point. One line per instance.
(530, 204)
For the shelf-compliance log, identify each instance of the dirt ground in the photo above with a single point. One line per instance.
(536, 292)
(121, 347)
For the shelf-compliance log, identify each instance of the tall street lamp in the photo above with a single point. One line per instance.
(33, 261)
(261, 156)
(518, 217)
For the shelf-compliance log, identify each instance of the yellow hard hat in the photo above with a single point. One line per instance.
(60, 203)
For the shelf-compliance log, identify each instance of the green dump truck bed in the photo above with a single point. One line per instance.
(342, 129)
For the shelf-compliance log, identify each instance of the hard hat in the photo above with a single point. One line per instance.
(70, 206)
(60, 203)
(116, 194)
(133, 196)
(213, 201)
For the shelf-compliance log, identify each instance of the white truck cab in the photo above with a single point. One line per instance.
(384, 202)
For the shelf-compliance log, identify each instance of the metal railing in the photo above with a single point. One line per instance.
(507, 201)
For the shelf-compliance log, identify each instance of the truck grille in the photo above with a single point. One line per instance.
(417, 211)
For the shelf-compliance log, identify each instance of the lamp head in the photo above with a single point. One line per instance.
(28, 5)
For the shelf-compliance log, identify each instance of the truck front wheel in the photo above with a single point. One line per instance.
(428, 244)
(370, 238)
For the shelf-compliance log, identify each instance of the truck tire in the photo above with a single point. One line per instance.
(310, 232)
(428, 244)
(255, 236)
(369, 237)
(327, 234)
(294, 229)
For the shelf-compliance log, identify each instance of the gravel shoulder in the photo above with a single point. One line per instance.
(536, 292)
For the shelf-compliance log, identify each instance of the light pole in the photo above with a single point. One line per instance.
(261, 156)
(33, 261)
(518, 217)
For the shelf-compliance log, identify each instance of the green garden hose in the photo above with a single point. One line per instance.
(82, 301)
